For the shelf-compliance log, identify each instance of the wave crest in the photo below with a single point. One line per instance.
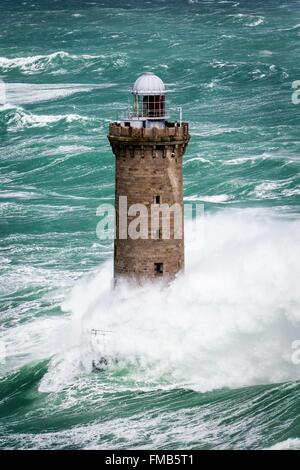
(60, 62)
(14, 118)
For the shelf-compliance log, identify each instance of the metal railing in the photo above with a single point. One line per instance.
(130, 114)
(96, 332)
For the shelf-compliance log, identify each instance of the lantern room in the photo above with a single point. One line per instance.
(148, 101)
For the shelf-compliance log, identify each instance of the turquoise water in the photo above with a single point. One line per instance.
(206, 363)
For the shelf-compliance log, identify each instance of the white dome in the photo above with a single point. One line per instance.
(148, 84)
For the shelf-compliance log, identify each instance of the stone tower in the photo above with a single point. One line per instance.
(148, 150)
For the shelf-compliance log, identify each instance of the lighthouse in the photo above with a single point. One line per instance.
(148, 149)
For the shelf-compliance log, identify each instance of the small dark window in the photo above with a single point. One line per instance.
(157, 199)
(158, 269)
(127, 124)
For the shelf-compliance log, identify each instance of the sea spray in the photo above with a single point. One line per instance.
(228, 321)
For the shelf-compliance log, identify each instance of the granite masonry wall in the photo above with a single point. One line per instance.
(148, 170)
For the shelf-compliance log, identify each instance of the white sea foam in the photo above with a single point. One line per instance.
(67, 150)
(296, 26)
(228, 322)
(25, 93)
(196, 159)
(248, 20)
(217, 198)
(288, 444)
(266, 53)
(61, 63)
(2, 93)
(269, 189)
(35, 340)
(17, 118)
(11, 194)
(242, 160)
(256, 22)
(36, 64)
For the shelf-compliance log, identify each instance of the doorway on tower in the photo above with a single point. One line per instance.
(158, 269)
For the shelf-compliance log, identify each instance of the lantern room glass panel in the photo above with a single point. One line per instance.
(154, 106)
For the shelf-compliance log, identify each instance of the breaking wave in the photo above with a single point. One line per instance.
(14, 118)
(60, 63)
(248, 20)
(228, 322)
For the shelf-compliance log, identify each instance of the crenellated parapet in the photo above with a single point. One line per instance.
(171, 132)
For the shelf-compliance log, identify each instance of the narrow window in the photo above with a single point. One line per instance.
(157, 234)
(158, 269)
(157, 199)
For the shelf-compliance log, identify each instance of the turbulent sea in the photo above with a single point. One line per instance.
(206, 363)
